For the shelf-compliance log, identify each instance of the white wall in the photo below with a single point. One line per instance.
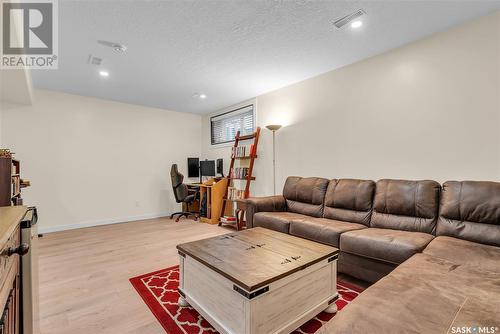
(95, 161)
(430, 109)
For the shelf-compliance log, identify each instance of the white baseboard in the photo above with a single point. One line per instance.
(51, 229)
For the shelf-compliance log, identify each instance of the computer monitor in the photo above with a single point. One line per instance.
(207, 168)
(220, 167)
(193, 167)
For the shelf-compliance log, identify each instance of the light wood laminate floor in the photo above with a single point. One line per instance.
(84, 287)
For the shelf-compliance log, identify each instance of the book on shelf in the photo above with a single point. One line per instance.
(228, 219)
(243, 151)
(234, 193)
(16, 185)
(239, 172)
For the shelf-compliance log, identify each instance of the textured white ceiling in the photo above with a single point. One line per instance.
(229, 50)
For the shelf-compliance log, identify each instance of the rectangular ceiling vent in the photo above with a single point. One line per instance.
(94, 60)
(348, 18)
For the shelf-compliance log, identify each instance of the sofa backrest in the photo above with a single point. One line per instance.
(406, 205)
(305, 195)
(470, 210)
(349, 200)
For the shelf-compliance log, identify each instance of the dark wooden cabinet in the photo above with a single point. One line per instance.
(11, 250)
(9, 322)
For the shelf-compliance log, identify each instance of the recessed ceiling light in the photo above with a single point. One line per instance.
(356, 24)
(199, 96)
(104, 73)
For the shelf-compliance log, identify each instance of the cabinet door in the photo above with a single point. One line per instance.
(9, 322)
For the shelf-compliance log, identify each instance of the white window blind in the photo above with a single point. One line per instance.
(225, 126)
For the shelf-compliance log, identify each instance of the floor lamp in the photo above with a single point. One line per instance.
(274, 128)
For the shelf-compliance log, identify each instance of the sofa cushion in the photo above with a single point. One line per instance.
(322, 230)
(406, 205)
(470, 210)
(465, 253)
(305, 195)
(392, 246)
(278, 221)
(423, 295)
(349, 200)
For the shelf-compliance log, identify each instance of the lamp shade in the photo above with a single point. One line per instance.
(274, 127)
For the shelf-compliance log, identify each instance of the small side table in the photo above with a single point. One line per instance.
(241, 207)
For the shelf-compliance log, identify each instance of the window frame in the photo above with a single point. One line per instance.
(232, 110)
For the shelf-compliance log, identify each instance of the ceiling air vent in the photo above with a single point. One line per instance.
(348, 18)
(94, 60)
(116, 46)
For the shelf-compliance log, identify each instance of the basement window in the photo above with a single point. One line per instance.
(223, 127)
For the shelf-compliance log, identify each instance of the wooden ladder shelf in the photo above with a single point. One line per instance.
(236, 154)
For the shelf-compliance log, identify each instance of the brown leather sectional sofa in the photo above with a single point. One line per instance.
(433, 251)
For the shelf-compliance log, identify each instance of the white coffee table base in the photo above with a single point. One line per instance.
(280, 307)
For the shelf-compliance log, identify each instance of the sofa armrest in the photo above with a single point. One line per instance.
(263, 204)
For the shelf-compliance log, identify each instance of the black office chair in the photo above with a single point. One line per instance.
(181, 193)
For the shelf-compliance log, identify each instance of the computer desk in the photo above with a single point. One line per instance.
(214, 190)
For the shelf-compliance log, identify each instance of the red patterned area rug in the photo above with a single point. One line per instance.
(159, 291)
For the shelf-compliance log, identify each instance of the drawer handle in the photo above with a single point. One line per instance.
(22, 249)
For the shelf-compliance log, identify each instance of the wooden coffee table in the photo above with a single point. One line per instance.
(258, 281)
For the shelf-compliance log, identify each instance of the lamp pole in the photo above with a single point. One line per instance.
(274, 128)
